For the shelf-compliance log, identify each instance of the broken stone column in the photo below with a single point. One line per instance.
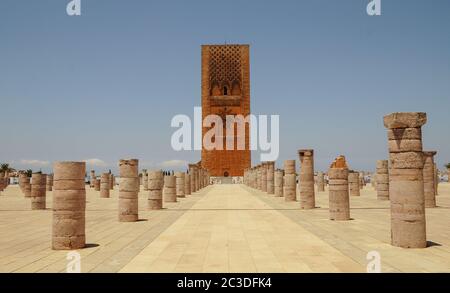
(69, 205)
(289, 181)
(406, 188)
(155, 187)
(306, 180)
(38, 191)
(179, 182)
(338, 190)
(278, 183)
(49, 183)
(353, 183)
(192, 176)
(97, 184)
(169, 191)
(24, 182)
(320, 182)
(187, 184)
(270, 177)
(128, 190)
(429, 185)
(382, 180)
(92, 179)
(105, 186)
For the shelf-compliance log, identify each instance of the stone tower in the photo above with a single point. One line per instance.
(226, 91)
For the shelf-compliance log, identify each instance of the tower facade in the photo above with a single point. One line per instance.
(226, 92)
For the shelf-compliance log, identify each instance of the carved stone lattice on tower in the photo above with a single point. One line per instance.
(226, 91)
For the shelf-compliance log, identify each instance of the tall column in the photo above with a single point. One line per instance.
(104, 185)
(338, 190)
(91, 179)
(169, 191)
(406, 188)
(382, 179)
(38, 191)
(320, 182)
(429, 185)
(155, 186)
(270, 177)
(289, 181)
(353, 183)
(179, 182)
(278, 183)
(49, 183)
(69, 205)
(128, 190)
(306, 179)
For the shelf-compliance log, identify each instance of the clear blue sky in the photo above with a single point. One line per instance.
(106, 84)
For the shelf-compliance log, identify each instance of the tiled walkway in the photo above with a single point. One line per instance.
(223, 228)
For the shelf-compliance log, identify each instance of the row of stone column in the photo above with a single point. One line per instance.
(265, 178)
(70, 195)
(262, 177)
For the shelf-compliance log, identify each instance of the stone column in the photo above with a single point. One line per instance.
(289, 181)
(270, 177)
(436, 179)
(179, 182)
(128, 190)
(338, 190)
(155, 186)
(264, 177)
(97, 184)
(382, 180)
(306, 180)
(145, 180)
(169, 191)
(24, 181)
(406, 189)
(187, 184)
(320, 182)
(69, 205)
(112, 181)
(192, 176)
(92, 179)
(38, 191)
(429, 185)
(104, 185)
(49, 183)
(278, 183)
(197, 178)
(353, 183)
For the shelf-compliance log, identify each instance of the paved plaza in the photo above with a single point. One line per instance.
(222, 228)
